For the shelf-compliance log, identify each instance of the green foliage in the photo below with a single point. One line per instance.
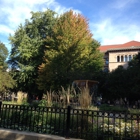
(3, 55)
(21, 98)
(133, 72)
(105, 107)
(62, 98)
(71, 54)
(134, 111)
(28, 47)
(117, 87)
(85, 98)
(42, 103)
(121, 83)
(52, 51)
(67, 95)
(6, 82)
(122, 129)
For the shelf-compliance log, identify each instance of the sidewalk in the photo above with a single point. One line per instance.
(6, 134)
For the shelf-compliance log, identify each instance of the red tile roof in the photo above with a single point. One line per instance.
(104, 48)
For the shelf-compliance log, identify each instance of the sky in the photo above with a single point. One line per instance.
(110, 21)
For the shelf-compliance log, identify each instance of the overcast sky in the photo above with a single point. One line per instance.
(110, 21)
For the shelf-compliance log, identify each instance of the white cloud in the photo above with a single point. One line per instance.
(16, 12)
(120, 4)
(119, 25)
(137, 36)
(5, 30)
(61, 9)
(108, 33)
(13, 13)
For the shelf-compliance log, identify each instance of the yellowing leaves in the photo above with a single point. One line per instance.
(68, 54)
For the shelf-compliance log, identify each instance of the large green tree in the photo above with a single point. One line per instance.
(6, 81)
(71, 54)
(3, 55)
(28, 46)
(117, 84)
(122, 83)
(134, 77)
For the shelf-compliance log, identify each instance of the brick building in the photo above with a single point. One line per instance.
(119, 54)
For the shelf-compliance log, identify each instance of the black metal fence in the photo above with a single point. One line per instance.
(69, 122)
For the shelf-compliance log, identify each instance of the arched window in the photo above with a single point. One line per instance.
(125, 58)
(122, 58)
(118, 58)
(130, 57)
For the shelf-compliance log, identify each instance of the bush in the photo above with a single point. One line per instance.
(105, 107)
(21, 97)
(123, 129)
(85, 98)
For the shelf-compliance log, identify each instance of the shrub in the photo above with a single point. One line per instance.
(21, 97)
(123, 129)
(85, 98)
(106, 107)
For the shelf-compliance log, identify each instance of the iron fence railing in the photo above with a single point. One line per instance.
(69, 122)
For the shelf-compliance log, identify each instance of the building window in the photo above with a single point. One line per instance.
(125, 58)
(118, 58)
(130, 57)
(122, 58)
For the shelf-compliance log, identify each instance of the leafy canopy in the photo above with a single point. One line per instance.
(3, 55)
(123, 83)
(71, 53)
(6, 80)
(28, 47)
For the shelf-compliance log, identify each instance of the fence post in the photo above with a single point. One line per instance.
(68, 121)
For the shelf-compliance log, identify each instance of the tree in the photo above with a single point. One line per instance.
(3, 55)
(28, 45)
(6, 80)
(134, 74)
(135, 62)
(72, 53)
(117, 84)
(123, 83)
